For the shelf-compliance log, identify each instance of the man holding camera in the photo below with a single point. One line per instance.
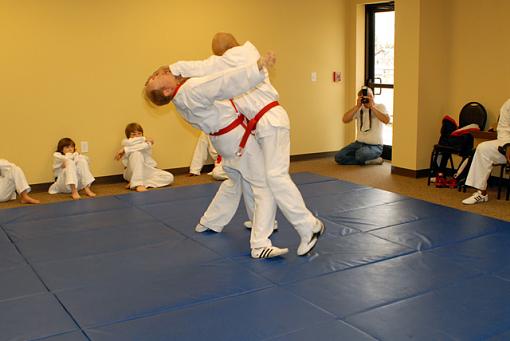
(370, 117)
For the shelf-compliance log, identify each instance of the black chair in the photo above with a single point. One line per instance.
(502, 181)
(472, 112)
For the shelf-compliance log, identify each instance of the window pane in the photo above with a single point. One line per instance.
(384, 46)
(386, 98)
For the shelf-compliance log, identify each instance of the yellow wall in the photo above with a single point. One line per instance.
(76, 68)
(405, 116)
(433, 76)
(447, 53)
(480, 54)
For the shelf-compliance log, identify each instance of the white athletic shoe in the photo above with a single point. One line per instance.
(202, 228)
(476, 198)
(249, 225)
(307, 246)
(268, 252)
(376, 161)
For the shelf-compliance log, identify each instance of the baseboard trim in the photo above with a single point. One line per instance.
(420, 173)
(117, 178)
(311, 156)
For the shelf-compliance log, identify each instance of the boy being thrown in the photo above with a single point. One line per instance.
(203, 102)
(260, 105)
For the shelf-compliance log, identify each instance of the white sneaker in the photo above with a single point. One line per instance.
(268, 252)
(307, 246)
(476, 198)
(248, 224)
(377, 161)
(202, 228)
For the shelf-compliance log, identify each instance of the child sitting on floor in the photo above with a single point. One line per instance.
(12, 180)
(140, 168)
(71, 170)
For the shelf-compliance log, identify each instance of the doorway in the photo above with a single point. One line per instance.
(379, 61)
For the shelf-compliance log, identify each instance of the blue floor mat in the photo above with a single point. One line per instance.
(131, 267)
(352, 291)
(33, 317)
(158, 292)
(474, 309)
(74, 336)
(18, 282)
(253, 316)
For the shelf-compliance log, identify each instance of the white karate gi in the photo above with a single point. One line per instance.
(203, 150)
(12, 180)
(272, 133)
(202, 103)
(141, 167)
(76, 172)
(487, 154)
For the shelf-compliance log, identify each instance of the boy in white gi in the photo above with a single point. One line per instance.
(71, 170)
(140, 168)
(487, 155)
(203, 149)
(272, 132)
(202, 102)
(12, 180)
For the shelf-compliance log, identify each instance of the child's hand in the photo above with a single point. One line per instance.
(119, 154)
(149, 140)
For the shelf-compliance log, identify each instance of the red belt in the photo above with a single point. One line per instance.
(252, 125)
(239, 120)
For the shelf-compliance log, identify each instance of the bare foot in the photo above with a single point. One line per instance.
(89, 192)
(128, 186)
(26, 199)
(75, 196)
(141, 189)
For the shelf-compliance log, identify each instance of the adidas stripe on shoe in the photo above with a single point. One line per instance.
(476, 198)
(268, 252)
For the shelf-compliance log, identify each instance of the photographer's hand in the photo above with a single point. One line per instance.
(370, 103)
(358, 102)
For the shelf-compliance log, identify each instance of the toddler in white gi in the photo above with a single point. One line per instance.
(71, 170)
(140, 168)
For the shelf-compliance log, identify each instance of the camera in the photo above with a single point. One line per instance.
(364, 94)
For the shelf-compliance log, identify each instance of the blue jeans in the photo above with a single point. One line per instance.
(357, 153)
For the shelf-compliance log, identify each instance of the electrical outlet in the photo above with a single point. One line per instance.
(84, 146)
(314, 76)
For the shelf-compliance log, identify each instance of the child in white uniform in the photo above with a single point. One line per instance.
(71, 170)
(203, 149)
(12, 180)
(140, 168)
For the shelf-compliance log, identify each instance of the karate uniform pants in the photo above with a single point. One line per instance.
(12, 180)
(486, 155)
(140, 174)
(249, 168)
(276, 149)
(75, 173)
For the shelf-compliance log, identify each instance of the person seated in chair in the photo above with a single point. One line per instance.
(486, 156)
(370, 117)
